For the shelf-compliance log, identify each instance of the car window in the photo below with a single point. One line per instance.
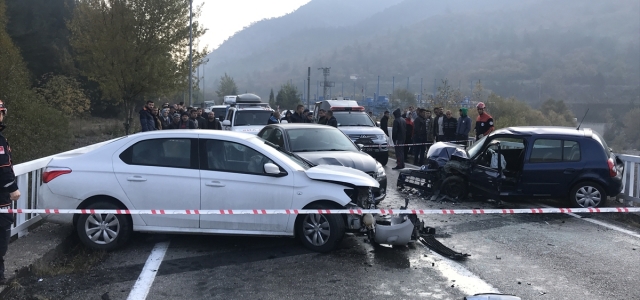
(353, 119)
(273, 135)
(571, 151)
(173, 153)
(252, 117)
(233, 157)
(319, 139)
(511, 149)
(546, 150)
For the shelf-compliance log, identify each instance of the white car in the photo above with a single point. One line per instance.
(203, 170)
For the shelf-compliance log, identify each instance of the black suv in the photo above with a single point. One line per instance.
(533, 162)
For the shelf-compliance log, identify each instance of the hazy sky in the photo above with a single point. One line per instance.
(223, 18)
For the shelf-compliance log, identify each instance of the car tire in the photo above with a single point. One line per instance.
(454, 187)
(104, 231)
(587, 194)
(320, 232)
(383, 159)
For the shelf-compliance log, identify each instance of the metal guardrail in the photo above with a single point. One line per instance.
(630, 178)
(29, 176)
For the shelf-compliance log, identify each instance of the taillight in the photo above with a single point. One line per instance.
(51, 173)
(612, 168)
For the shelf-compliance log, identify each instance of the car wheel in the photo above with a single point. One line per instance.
(103, 231)
(320, 232)
(454, 187)
(587, 194)
(383, 158)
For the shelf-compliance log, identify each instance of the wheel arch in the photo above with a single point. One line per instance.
(318, 203)
(98, 198)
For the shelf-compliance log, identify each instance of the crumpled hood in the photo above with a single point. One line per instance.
(352, 159)
(248, 129)
(341, 174)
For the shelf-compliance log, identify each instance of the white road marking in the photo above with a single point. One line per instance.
(465, 281)
(142, 286)
(601, 223)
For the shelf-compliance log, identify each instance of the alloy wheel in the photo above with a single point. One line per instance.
(102, 228)
(316, 229)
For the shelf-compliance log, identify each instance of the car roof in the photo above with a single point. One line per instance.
(205, 132)
(301, 125)
(545, 130)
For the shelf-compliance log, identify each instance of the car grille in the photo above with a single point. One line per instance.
(362, 136)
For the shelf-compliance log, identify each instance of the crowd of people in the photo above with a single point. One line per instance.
(176, 116)
(419, 126)
(303, 115)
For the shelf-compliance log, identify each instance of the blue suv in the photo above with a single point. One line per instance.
(536, 162)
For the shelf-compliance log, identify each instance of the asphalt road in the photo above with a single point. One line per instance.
(532, 256)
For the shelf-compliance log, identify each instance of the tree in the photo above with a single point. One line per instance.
(65, 94)
(226, 87)
(288, 97)
(134, 49)
(36, 129)
(478, 93)
(402, 98)
(272, 99)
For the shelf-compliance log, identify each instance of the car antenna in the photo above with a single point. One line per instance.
(585, 114)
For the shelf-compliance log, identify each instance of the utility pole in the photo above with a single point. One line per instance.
(377, 90)
(421, 90)
(407, 84)
(308, 85)
(326, 83)
(393, 86)
(190, 50)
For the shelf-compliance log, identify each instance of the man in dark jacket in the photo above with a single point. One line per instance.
(398, 133)
(419, 136)
(298, 116)
(147, 121)
(175, 121)
(211, 122)
(449, 127)
(438, 121)
(8, 192)
(186, 122)
(331, 120)
(322, 117)
(384, 123)
(464, 126)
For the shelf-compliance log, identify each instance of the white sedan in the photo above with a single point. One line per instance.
(204, 170)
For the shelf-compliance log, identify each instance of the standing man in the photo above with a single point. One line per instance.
(8, 192)
(437, 124)
(193, 116)
(449, 127)
(430, 131)
(211, 122)
(322, 118)
(274, 118)
(331, 120)
(464, 126)
(147, 121)
(484, 122)
(419, 137)
(298, 116)
(399, 132)
(384, 122)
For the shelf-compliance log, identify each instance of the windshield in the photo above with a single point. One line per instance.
(477, 146)
(252, 117)
(319, 139)
(353, 119)
(220, 112)
(294, 157)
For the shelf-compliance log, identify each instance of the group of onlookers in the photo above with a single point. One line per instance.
(176, 116)
(418, 126)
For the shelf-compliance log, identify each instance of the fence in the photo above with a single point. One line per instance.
(29, 176)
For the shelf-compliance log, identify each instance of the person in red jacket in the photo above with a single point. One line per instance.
(484, 122)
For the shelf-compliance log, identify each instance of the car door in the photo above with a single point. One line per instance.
(232, 177)
(552, 166)
(161, 174)
(483, 179)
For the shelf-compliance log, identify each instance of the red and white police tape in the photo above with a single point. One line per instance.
(325, 211)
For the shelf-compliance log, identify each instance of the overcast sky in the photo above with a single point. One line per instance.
(223, 18)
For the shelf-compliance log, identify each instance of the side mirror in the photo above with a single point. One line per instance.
(272, 169)
(360, 146)
(226, 123)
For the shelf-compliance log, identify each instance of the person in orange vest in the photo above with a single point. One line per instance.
(484, 122)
